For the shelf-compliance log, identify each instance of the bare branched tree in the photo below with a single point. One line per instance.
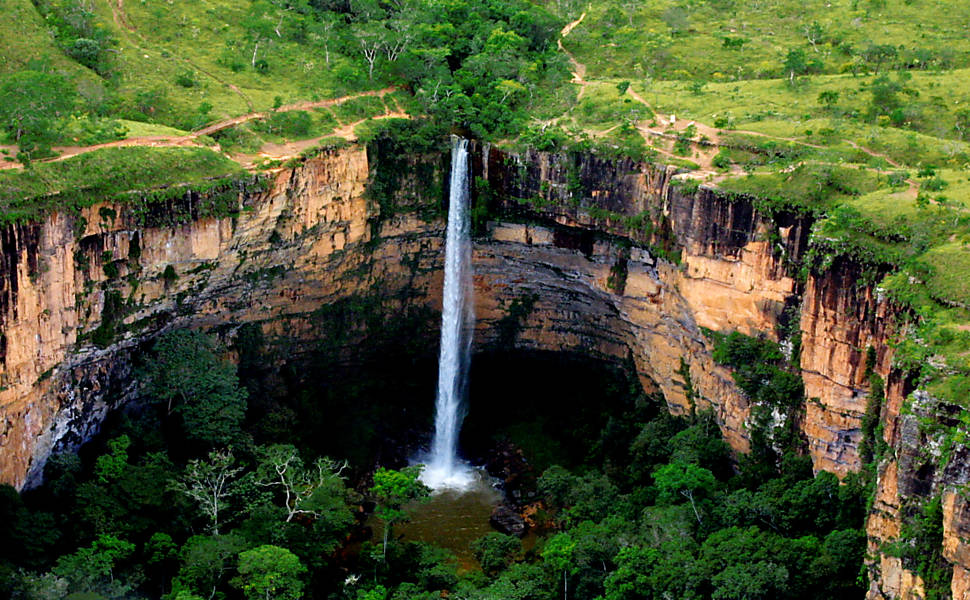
(281, 467)
(210, 483)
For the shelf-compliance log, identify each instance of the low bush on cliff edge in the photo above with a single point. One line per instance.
(807, 188)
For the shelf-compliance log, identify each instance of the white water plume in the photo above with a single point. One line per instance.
(443, 467)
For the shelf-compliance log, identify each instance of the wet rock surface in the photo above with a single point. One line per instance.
(506, 520)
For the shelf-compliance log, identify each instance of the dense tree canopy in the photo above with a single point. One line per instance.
(190, 378)
(669, 516)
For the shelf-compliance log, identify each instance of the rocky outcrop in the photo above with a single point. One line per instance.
(506, 520)
(922, 467)
(574, 309)
(956, 541)
(607, 258)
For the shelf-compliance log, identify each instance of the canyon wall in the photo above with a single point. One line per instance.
(724, 266)
(82, 292)
(737, 273)
(606, 257)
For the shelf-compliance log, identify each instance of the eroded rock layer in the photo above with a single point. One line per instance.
(87, 289)
(611, 258)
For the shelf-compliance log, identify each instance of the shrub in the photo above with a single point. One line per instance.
(186, 79)
(721, 160)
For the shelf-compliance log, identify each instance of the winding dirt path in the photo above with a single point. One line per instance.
(119, 14)
(871, 152)
(293, 149)
(219, 126)
(192, 139)
(714, 135)
(578, 68)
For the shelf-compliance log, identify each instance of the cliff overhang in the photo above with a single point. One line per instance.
(620, 261)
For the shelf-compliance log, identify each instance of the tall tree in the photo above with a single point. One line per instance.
(392, 490)
(206, 560)
(261, 25)
(189, 377)
(270, 572)
(559, 552)
(307, 490)
(795, 63)
(91, 569)
(324, 32)
(877, 54)
(684, 479)
(210, 484)
(371, 38)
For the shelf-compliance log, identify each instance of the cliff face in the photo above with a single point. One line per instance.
(841, 321)
(79, 294)
(100, 276)
(731, 276)
(310, 239)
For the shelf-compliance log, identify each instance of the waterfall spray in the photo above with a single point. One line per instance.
(444, 469)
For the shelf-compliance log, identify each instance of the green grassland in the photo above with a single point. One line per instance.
(687, 40)
(180, 65)
(26, 41)
(773, 107)
(207, 43)
(107, 174)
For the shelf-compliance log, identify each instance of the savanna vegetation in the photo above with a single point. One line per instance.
(106, 69)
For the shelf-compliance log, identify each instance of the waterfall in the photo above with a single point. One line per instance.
(444, 469)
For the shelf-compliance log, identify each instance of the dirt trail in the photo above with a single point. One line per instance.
(293, 149)
(120, 16)
(714, 135)
(871, 152)
(192, 139)
(579, 69)
(65, 152)
(210, 129)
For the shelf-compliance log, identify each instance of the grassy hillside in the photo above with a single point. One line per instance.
(727, 40)
(25, 41)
